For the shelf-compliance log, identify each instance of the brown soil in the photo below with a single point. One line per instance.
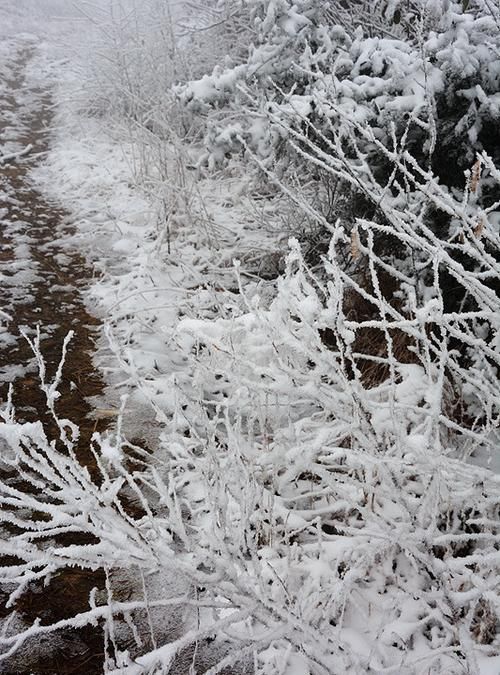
(57, 310)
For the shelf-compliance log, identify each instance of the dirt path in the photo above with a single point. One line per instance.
(40, 284)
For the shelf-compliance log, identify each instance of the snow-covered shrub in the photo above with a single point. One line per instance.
(375, 124)
(131, 58)
(437, 63)
(425, 70)
(321, 523)
(344, 504)
(344, 410)
(123, 75)
(316, 484)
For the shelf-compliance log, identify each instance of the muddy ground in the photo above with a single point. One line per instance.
(41, 285)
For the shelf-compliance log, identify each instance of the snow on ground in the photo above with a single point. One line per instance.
(154, 286)
(18, 270)
(154, 302)
(147, 281)
(26, 29)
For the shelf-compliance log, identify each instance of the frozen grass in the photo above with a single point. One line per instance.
(311, 500)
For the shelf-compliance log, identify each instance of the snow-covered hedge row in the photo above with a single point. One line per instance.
(430, 61)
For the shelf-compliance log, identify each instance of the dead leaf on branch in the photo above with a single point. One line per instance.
(355, 245)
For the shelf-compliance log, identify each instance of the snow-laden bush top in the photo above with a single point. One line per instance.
(377, 63)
